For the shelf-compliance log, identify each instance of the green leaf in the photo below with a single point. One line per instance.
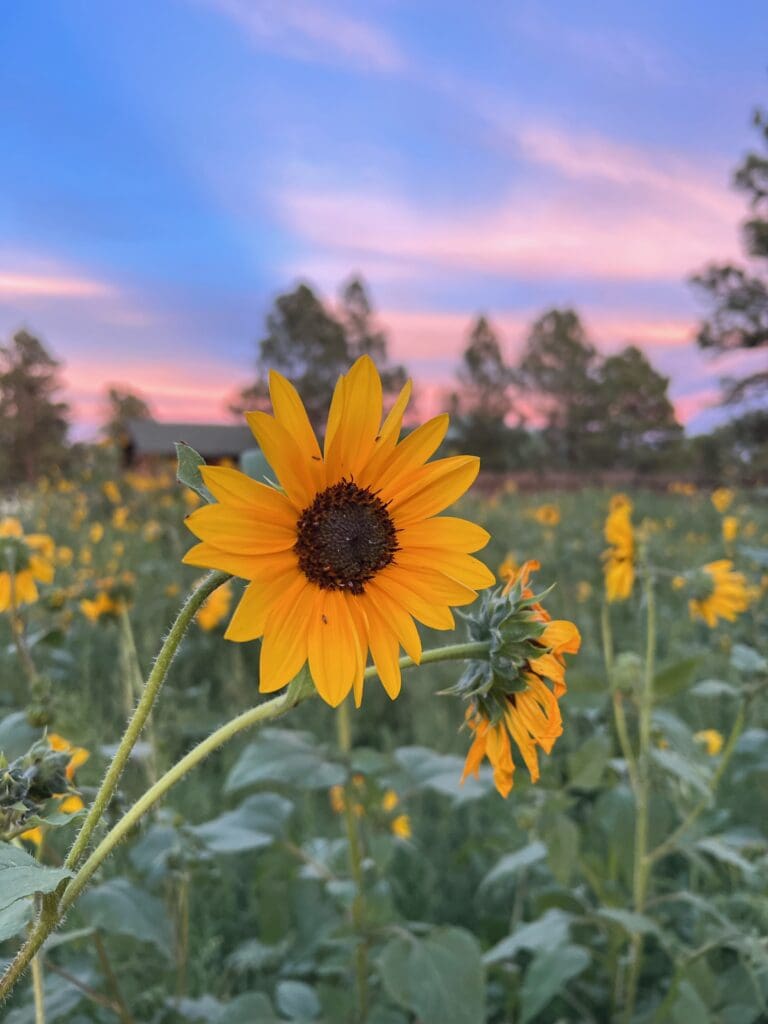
(119, 908)
(674, 678)
(188, 470)
(552, 929)
(255, 955)
(746, 659)
(630, 921)
(283, 755)
(511, 863)
(714, 688)
(297, 1001)
(425, 769)
(15, 918)
(250, 1006)
(16, 735)
(60, 998)
(726, 854)
(757, 555)
(562, 839)
(439, 979)
(683, 770)
(256, 823)
(587, 764)
(21, 875)
(548, 973)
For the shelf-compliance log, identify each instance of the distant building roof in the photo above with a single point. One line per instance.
(211, 440)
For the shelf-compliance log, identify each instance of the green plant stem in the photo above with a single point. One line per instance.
(641, 871)
(140, 715)
(673, 838)
(37, 989)
(113, 984)
(135, 686)
(53, 910)
(344, 733)
(617, 699)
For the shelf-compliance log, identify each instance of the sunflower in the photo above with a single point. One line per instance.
(215, 608)
(721, 593)
(722, 499)
(530, 716)
(351, 549)
(23, 560)
(711, 739)
(620, 557)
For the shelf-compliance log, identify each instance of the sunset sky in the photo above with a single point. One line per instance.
(169, 166)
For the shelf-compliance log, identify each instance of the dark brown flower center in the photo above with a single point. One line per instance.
(345, 537)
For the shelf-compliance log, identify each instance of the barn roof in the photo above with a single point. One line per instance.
(211, 440)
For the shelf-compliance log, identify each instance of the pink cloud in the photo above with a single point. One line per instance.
(305, 31)
(687, 407)
(15, 285)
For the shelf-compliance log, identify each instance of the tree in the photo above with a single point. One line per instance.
(33, 421)
(311, 347)
(480, 408)
(558, 370)
(363, 338)
(634, 421)
(122, 406)
(739, 296)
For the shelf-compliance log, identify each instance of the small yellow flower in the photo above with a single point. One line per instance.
(64, 556)
(711, 739)
(120, 517)
(95, 533)
(679, 582)
(547, 515)
(583, 591)
(30, 557)
(152, 531)
(620, 557)
(724, 593)
(390, 800)
(730, 528)
(401, 826)
(338, 799)
(682, 487)
(722, 499)
(86, 555)
(112, 492)
(100, 607)
(216, 608)
(191, 498)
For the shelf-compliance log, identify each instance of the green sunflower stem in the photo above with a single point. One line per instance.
(148, 697)
(642, 865)
(344, 733)
(53, 909)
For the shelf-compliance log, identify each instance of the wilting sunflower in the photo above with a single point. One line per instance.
(720, 593)
(620, 557)
(29, 557)
(69, 803)
(529, 715)
(351, 550)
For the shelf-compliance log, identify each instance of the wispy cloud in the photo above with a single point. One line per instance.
(612, 50)
(313, 32)
(15, 285)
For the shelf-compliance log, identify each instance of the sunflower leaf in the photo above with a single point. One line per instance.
(188, 470)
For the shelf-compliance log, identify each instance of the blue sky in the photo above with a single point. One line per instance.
(169, 167)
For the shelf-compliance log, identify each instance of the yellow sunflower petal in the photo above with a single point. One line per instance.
(432, 584)
(240, 530)
(247, 567)
(421, 608)
(464, 568)
(41, 569)
(354, 437)
(284, 647)
(385, 651)
(444, 532)
(432, 488)
(287, 460)
(231, 487)
(250, 616)
(409, 455)
(397, 617)
(5, 592)
(332, 647)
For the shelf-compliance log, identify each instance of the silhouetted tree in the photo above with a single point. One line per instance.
(739, 296)
(309, 345)
(122, 406)
(558, 370)
(480, 407)
(634, 423)
(33, 421)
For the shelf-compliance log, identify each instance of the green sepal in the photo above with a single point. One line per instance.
(188, 463)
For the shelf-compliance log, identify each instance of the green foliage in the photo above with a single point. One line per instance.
(122, 406)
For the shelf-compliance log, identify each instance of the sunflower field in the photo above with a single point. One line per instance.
(560, 815)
